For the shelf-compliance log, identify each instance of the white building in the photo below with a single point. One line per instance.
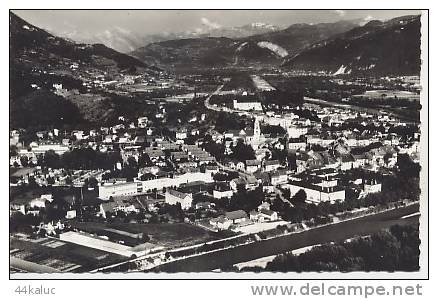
(173, 197)
(155, 183)
(181, 134)
(221, 222)
(119, 189)
(316, 194)
(297, 144)
(43, 148)
(372, 187)
(296, 131)
(263, 215)
(142, 122)
(252, 165)
(222, 192)
(279, 177)
(247, 105)
(99, 243)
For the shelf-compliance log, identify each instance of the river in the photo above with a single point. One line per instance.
(331, 233)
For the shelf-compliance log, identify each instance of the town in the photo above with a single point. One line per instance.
(290, 169)
(183, 165)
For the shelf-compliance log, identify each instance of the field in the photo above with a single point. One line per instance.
(60, 256)
(164, 234)
(389, 94)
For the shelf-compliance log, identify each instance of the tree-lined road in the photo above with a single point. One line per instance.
(207, 100)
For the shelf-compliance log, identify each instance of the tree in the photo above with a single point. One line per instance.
(278, 205)
(292, 160)
(215, 149)
(24, 161)
(242, 151)
(226, 121)
(396, 250)
(13, 151)
(144, 160)
(23, 223)
(407, 167)
(247, 201)
(273, 130)
(42, 108)
(129, 173)
(132, 162)
(92, 182)
(299, 198)
(50, 180)
(51, 159)
(42, 232)
(220, 176)
(68, 180)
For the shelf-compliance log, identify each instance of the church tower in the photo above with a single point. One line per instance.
(257, 138)
(257, 131)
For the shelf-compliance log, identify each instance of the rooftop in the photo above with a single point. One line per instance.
(236, 215)
(177, 193)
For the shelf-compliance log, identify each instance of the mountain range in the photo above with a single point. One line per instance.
(342, 47)
(391, 47)
(376, 47)
(265, 48)
(126, 41)
(32, 47)
(40, 61)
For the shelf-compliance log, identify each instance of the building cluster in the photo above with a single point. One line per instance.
(317, 149)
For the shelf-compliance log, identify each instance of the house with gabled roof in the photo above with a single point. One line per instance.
(252, 165)
(174, 197)
(236, 216)
(124, 204)
(279, 177)
(263, 215)
(346, 162)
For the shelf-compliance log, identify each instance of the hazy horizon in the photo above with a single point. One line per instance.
(117, 27)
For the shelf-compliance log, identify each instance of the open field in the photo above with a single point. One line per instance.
(396, 94)
(164, 234)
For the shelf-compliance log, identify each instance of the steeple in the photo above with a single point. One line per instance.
(257, 131)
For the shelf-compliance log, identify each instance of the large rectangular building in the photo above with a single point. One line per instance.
(316, 193)
(247, 105)
(155, 183)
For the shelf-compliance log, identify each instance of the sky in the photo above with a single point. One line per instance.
(100, 25)
(156, 21)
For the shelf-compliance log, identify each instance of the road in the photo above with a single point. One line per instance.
(331, 233)
(226, 109)
(207, 100)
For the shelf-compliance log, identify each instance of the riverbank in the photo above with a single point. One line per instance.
(329, 233)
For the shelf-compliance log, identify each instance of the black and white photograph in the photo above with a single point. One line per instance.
(218, 143)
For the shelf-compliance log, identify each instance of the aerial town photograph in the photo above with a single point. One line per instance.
(219, 141)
